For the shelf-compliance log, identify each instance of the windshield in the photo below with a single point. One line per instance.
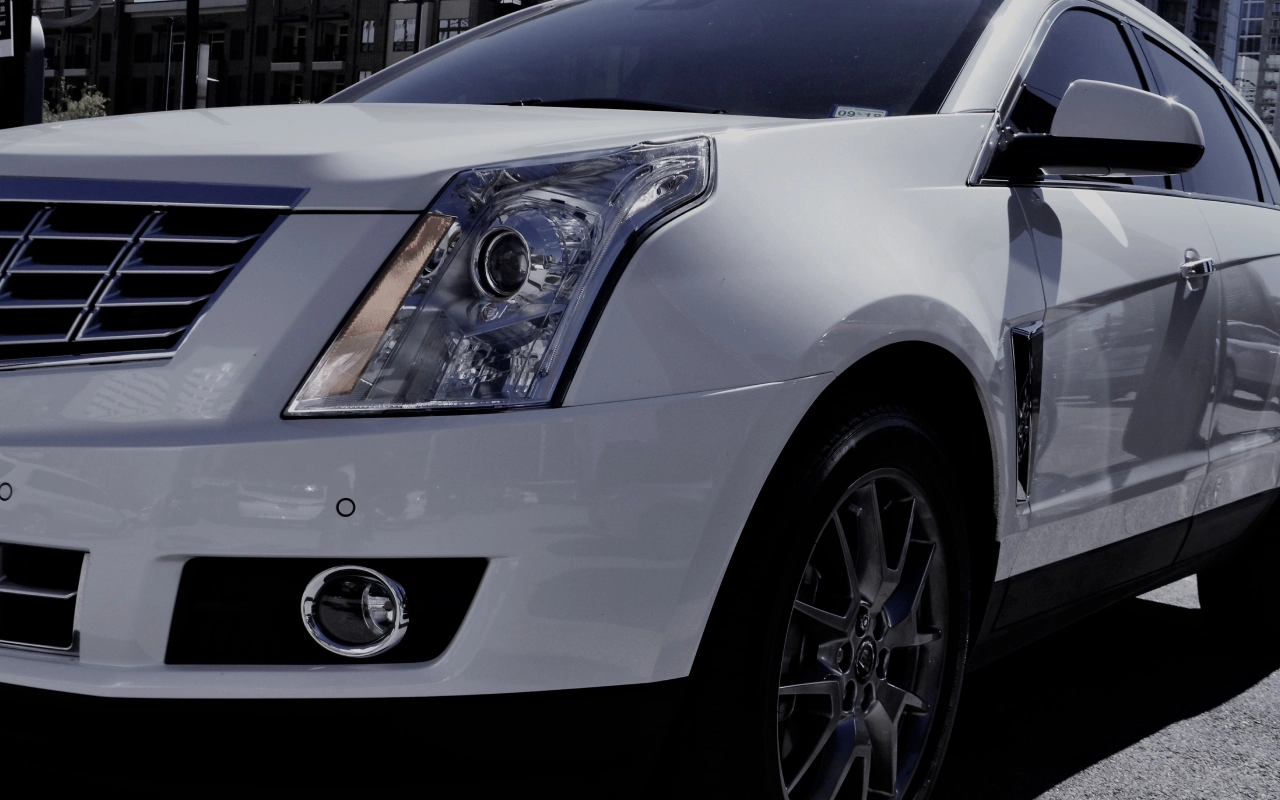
(774, 58)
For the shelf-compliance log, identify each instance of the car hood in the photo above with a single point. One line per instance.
(347, 156)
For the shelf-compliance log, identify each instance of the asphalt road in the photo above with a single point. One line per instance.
(1140, 701)
(1137, 702)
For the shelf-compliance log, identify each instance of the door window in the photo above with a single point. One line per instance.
(1266, 160)
(1081, 45)
(1225, 170)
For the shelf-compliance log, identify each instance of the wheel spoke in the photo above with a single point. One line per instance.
(902, 604)
(828, 687)
(908, 635)
(849, 743)
(832, 690)
(875, 582)
(837, 623)
(850, 569)
(883, 725)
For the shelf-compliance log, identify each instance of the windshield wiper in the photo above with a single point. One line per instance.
(615, 102)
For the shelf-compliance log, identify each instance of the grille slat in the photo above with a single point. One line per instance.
(38, 595)
(92, 280)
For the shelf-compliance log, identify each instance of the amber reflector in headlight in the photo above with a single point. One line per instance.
(342, 364)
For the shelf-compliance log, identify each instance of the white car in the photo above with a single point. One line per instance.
(757, 367)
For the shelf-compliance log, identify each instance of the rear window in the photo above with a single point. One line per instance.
(774, 58)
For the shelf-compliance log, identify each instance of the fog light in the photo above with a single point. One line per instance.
(355, 611)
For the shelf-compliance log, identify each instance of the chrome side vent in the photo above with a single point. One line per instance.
(92, 279)
(38, 592)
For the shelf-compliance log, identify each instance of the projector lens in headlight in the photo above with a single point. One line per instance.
(481, 304)
(503, 263)
(355, 611)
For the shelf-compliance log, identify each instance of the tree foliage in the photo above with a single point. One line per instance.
(90, 103)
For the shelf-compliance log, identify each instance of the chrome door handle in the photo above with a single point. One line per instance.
(1196, 267)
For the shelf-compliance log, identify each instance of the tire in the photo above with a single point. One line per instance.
(808, 678)
(1238, 595)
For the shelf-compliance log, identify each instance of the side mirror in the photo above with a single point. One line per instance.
(1105, 130)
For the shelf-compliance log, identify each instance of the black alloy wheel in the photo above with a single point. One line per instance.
(832, 662)
(862, 664)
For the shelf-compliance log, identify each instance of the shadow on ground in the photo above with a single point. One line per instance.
(1026, 724)
(1047, 712)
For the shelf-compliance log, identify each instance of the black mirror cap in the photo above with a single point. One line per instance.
(1030, 156)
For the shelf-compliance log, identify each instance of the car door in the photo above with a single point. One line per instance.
(1128, 350)
(1244, 460)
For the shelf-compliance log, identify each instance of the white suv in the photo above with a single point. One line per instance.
(755, 366)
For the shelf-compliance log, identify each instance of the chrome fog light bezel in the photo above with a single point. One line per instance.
(394, 590)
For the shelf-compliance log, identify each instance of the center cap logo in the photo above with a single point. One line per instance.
(865, 661)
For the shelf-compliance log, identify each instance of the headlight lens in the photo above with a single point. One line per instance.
(483, 300)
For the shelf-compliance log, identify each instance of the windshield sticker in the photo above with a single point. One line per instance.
(854, 112)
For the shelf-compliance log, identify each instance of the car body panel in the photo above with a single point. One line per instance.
(348, 156)
(1129, 365)
(608, 533)
(1245, 454)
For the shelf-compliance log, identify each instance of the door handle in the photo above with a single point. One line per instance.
(1195, 267)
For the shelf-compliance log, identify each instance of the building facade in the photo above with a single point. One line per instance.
(259, 51)
(1258, 65)
(287, 51)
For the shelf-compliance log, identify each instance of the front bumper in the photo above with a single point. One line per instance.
(607, 529)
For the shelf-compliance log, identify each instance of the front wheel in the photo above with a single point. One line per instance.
(833, 660)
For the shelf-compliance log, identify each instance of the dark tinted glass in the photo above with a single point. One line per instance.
(781, 58)
(1081, 45)
(1225, 169)
(1265, 159)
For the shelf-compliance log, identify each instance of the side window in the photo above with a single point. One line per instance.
(1080, 45)
(1225, 170)
(1265, 157)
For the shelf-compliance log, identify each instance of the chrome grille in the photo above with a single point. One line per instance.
(107, 280)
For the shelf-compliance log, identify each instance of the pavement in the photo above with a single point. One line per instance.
(1138, 702)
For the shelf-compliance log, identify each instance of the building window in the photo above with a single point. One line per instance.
(217, 45)
(138, 94)
(235, 45)
(1249, 44)
(1275, 25)
(368, 35)
(142, 52)
(331, 44)
(261, 40)
(104, 47)
(291, 44)
(259, 89)
(104, 86)
(231, 89)
(404, 32)
(450, 28)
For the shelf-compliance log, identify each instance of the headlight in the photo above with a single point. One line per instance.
(482, 302)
